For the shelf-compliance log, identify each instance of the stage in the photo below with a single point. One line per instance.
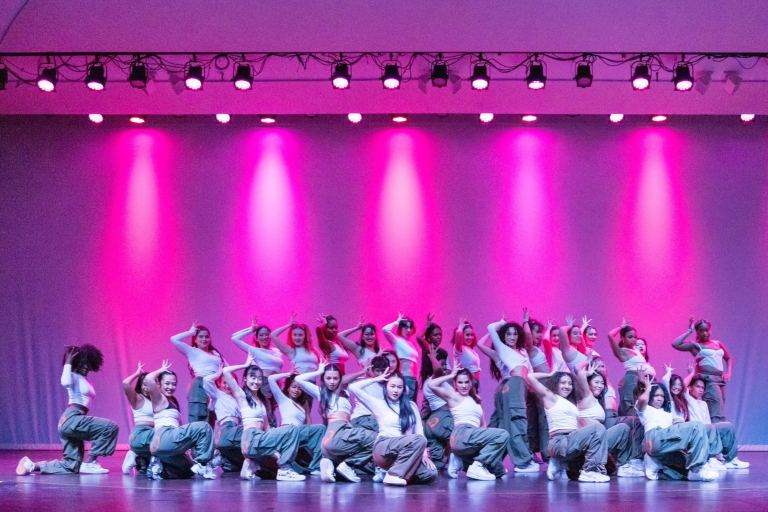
(736, 490)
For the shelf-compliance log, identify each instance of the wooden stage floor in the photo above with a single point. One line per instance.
(735, 491)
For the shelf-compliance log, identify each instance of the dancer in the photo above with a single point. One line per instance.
(298, 349)
(510, 357)
(711, 358)
(428, 341)
(407, 351)
(435, 413)
(294, 406)
(589, 337)
(203, 359)
(171, 441)
(550, 344)
(572, 346)
(229, 433)
(343, 446)
(329, 341)
(401, 448)
(465, 350)
(634, 363)
(567, 442)
(482, 449)
(538, 431)
(368, 346)
(137, 393)
(75, 426)
(666, 441)
(260, 444)
(362, 417)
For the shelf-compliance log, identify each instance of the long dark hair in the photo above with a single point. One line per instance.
(211, 348)
(601, 397)
(640, 389)
(472, 388)
(681, 404)
(392, 352)
(441, 354)
(407, 416)
(554, 381)
(256, 370)
(303, 400)
(171, 399)
(139, 383)
(362, 344)
(326, 394)
(502, 332)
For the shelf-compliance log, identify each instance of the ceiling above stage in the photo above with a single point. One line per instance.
(285, 86)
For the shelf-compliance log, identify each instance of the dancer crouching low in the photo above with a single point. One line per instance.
(137, 393)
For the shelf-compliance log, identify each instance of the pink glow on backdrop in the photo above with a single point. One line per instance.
(141, 218)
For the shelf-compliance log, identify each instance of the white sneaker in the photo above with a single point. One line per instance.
(204, 471)
(637, 464)
(629, 471)
(25, 466)
(217, 461)
(155, 469)
(394, 480)
(736, 463)
(651, 467)
(347, 472)
(531, 467)
(555, 468)
(593, 476)
(477, 471)
(92, 468)
(315, 472)
(455, 465)
(715, 465)
(327, 473)
(378, 475)
(129, 462)
(248, 471)
(286, 474)
(702, 474)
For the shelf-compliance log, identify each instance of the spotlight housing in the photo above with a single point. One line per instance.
(223, 118)
(641, 76)
(583, 75)
(399, 118)
(616, 118)
(138, 76)
(536, 78)
(391, 77)
(96, 77)
(46, 82)
(480, 78)
(747, 118)
(268, 119)
(439, 74)
(96, 118)
(683, 77)
(137, 119)
(194, 78)
(486, 117)
(354, 117)
(243, 79)
(3, 78)
(341, 76)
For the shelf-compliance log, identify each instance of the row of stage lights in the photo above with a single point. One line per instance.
(341, 77)
(356, 118)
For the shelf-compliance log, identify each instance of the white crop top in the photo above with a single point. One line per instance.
(291, 413)
(468, 358)
(711, 357)
(377, 391)
(434, 401)
(252, 414)
(168, 417)
(538, 358)
(387, 415)
(512, 358)
(405, 351)
(269, 359)
(337, 403)
(562, 416)
(596, 412)
(577, 362)
(558, 361)
(304, 360)
(634, 363)
(365, 356)
(144, 413)
(652, 418)
(79, 390)
(202, 363)
(338, 355)
(468, 412)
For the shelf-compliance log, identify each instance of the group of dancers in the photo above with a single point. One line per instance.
(554, 405)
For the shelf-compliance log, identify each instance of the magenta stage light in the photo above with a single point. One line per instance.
(616, 118)
(683, 78)
(223, 118)
(480, 78)
(194, 78)
(96, 78)
(535, 77)
(659, 118)
(341, 77)
(137, 119)
(46, 82)
(391, 77)
(243, 78)
(268, 119)
(486, 117)
(747, 118)
(354, 117)
(641, 77)
(529, 118)
(96, 118)
(399, 118)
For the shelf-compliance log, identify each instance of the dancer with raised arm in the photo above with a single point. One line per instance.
(229, 426)
(572, 346)
(137, 393)
(367, 347)
(465, 350)
(75, 425)
(362, 417)
(538, 432)
(437, 418)
(634, 363)
(299, 350)
(329, 341)
(479, 448)
(407, 350)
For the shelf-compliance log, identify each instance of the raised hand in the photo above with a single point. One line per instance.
(624, 322)
(526, 314)
(400, 316)
(668, 368)
(139, 368)
(585, 321)
(430, 317)
(569, 320)
(321, 319)
(193, 329)
(70, 353)
(549, 325)
(165, 365)
(292, 319)
(691, 324)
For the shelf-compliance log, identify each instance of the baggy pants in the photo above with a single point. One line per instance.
(411, 387)
(437, 429)
(76, 427)
(367, 422)
(170, 445)
(618, 440)
(722, 440)
(627, 394)
(263, 444)
(588, 441)
(309, 454)
(197, 400)
(538, 428)
(510, 415)
(485, 445)
(139, 442)
(636, 432)
(688, 439)
(402, 457)
(229, 438)
(344, 443)
(714, 395)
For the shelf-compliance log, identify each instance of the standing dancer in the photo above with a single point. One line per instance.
(203, 359)
(343, 445)
(362, 416)
(171, 441)
(464, 350)
(298, 349)
(137, 393)
(711, 357)
(471, 440)
(538, 432)
(428, 341)
(401, 448)
(229, 433)
(75, 426)
(567, 442)
(368, 346)
(572, 346)
(634, 363)
(328, 339)
(589, 338)
(435, 413)
(259, 443)
(407, 351)
(550, 343)
(510, 356)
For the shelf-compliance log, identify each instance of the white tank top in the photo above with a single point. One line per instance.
(434, 401)
(558, 361)
(366, 356)
(578, 361)
(168, 417)
(562, 416)
(253, 414)
(711, 357)
(468, 358)
(404, 350)
(144, 413)
(596, 412)
(538, 357)
(338, 355)
(468, 412)
(269, 359)
(304, 361)
(339, 403)
(81, 391)
(652, 417)
(634, 363)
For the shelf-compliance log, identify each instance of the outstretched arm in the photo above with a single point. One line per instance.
(159, 401)
(227, 372)
(620, 352)
(280, 344)
(350, 377)
(582, 381)
(569, 353)
(482, 346)
(642, 400)
(178, 340)
(238, 339)
(387, 329)
(447, 393)
(680, 343)
(350, 344)
(305, 380)
(537, 387)
(129, 387)
(527, 335)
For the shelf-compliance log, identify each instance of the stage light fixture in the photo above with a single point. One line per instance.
(341, 76)
(3, 78)
(480, 78)
(641, 76)
(682, 77)
(399, 118)
(616, 118)
(486, 117)
(529, 118)
(391, 77)
(354, 117)
(194, 78)
(137, 119)
(659, 118)
(96, 77)
(138, 76)
(439, 74)
(96, 118)
(583, 75)
(268, 119)
(46, 82)
(535, 77)
(243, 78)
(223, 118)
(747, 118)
